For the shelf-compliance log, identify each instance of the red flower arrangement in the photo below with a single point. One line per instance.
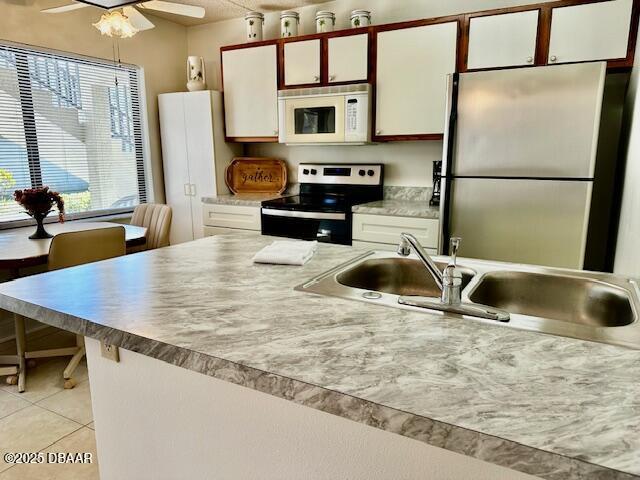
(38, 202)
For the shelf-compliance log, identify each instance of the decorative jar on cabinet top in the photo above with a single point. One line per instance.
(360, 18)
(195, 74)
(325, 21)
(289, 21)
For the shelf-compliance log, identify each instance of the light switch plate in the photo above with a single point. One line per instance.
(110, 351)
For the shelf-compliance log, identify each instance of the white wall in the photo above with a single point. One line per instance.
(408, 163)
(627, 255)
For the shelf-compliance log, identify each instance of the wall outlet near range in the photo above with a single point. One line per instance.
(110, 351)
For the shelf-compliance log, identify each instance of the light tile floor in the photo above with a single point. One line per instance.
(47, 418)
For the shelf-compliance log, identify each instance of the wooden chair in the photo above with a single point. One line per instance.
(68, 250)
(157, 220)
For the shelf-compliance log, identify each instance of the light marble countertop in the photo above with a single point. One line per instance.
(399, 208)
(242, 199)
(553, 407)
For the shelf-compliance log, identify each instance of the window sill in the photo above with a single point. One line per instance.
(106, 216)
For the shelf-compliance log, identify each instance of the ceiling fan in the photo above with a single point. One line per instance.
(128, 21)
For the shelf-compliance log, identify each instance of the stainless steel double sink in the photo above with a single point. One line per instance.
(587, 305)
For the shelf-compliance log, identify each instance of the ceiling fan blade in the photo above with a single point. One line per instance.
(64, 8)
(175, 8)
(138, 20)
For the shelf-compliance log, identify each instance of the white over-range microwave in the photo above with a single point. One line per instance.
(325, 115)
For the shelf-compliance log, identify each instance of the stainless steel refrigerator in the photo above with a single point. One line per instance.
(519, 162)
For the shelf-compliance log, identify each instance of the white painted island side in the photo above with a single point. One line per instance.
(184, 424)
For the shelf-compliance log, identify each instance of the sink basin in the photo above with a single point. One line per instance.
(599, 307)
(399, 276)
(569, 299)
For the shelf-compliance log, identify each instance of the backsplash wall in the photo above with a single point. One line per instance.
(406, 164)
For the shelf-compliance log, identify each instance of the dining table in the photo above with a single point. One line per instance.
(18, 251)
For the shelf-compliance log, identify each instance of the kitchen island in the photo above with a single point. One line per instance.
(205, 334)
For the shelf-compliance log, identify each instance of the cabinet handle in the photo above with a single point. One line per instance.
(316, 78)
(187, 190)
(553, 58)
(275, 132)
(529, 59)
(378, 132)
(332, 78)
(192, 189)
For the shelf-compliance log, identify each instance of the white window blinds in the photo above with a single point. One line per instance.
(73, 124)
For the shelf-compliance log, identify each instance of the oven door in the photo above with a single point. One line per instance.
(314, 119)
(328, 227)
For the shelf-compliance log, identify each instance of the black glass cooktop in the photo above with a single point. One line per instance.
(310, 203)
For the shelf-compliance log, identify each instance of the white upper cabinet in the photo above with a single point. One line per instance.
(302, 62)
(250, 78)
(348, 58)
(412, 67)
(594, 31)
(503, 40)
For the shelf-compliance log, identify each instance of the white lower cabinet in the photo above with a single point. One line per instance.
(378, 231)
(219, 219)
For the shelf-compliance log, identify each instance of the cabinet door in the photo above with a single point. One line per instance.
(349, 58)
(199, 134)
(595, 31)
(251, 91)
(503, 40)
(175, 165)
(412, 68)
(302, 62)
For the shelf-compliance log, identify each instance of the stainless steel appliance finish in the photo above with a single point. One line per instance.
(322, 209)
(519, 159)
(598, 307)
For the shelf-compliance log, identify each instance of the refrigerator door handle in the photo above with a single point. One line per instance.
(447, 160)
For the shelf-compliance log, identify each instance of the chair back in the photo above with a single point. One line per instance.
(86, 246)
(157, 219)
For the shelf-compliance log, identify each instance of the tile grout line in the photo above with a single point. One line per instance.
(60, 415)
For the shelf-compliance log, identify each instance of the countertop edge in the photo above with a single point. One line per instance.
(478, 445)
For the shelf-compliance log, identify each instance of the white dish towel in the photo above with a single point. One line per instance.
(283, 252)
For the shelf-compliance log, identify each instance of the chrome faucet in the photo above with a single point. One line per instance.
(449, 282)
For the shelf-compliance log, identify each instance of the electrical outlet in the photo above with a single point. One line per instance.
(110, 351)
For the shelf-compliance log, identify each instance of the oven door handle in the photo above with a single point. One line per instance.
(299, 214)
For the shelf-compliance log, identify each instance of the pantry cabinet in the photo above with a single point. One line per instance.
(506, 40)
(348, 58)
(412, 65)
(250, 78)
(194, 157)
(593, 31)
(302, 62)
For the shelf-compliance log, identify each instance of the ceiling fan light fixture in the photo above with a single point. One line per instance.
(115, 24)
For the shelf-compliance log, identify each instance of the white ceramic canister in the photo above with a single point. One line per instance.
(254, 21)
(289, 21)
(360, 18)
(325, 21)
(195, 74)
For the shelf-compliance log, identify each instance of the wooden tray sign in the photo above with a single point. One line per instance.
(256, 175)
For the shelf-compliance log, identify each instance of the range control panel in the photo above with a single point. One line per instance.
(348, 174)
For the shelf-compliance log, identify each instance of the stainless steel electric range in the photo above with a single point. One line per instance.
(322, 209)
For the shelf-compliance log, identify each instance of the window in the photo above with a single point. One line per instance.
(73, 124)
